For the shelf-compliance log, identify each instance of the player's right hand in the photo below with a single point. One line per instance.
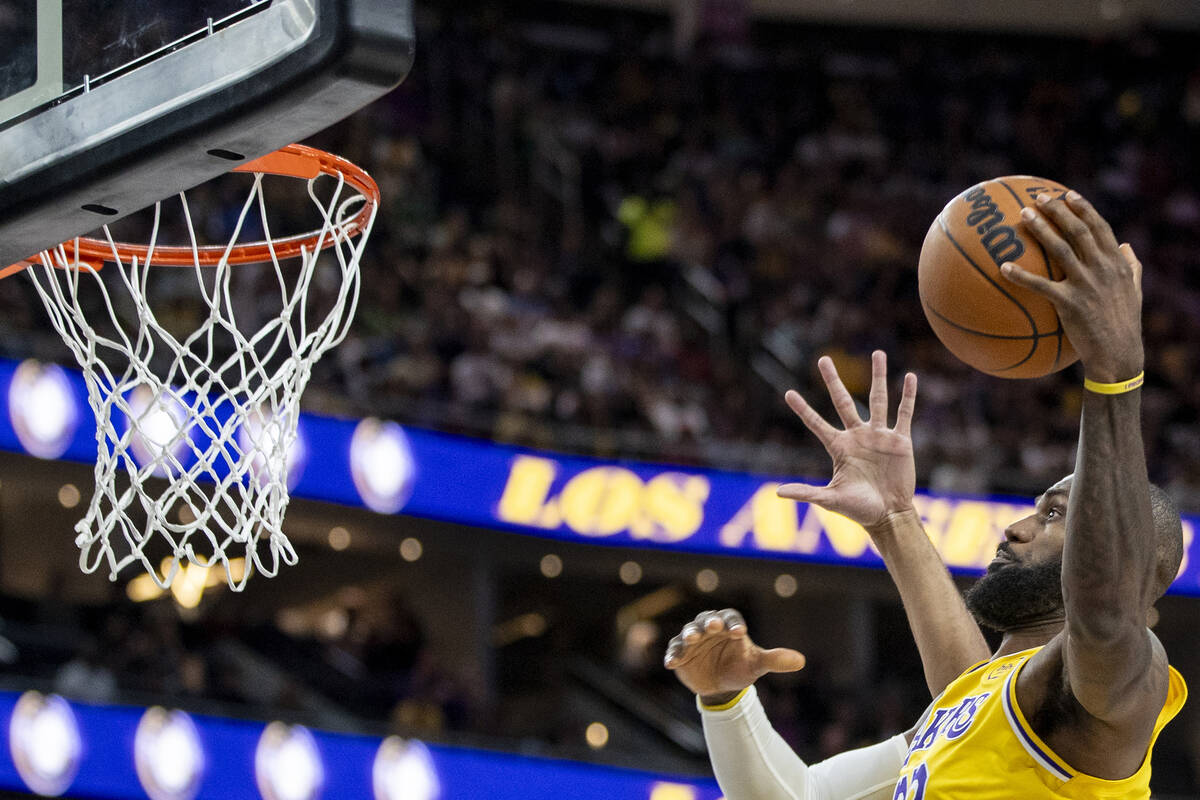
(1099, 299)
(715, 658)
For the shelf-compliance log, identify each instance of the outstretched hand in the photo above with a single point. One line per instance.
(873, 470)
(714, 657)
(1099, 299)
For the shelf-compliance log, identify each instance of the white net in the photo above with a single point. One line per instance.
(197, 401)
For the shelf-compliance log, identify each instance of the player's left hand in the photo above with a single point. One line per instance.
(1099, 299)
(873, 470)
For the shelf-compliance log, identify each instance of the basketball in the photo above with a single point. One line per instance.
(986, 321)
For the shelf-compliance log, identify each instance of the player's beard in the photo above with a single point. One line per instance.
(1017, 594)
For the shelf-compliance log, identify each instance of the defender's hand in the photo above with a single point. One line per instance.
(873, 470)
(1099, 299)
(714, 657)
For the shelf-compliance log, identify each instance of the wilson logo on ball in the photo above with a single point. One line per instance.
(999, 240)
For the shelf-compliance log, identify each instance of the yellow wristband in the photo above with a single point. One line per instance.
(1115, 388)
(729, 704)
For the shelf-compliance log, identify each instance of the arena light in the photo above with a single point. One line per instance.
(411, 549)
(339, 537)
(157, 438)
(143, 587)
(524, 626)
(404, 770)
(168, 755)
(287, 764)
(261, 434)
(188, 586)
(68, 495)
(596, 735)
(45, 743)
(551, 565)
(42, 408)
(707, 580)
(382, 465)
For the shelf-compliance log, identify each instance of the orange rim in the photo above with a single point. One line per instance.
(293, 161)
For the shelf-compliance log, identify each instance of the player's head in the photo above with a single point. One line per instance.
(1023, 583)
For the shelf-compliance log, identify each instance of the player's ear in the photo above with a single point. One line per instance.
(1151, 617)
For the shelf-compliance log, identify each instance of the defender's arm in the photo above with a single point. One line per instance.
(753, 762)
(714, 657)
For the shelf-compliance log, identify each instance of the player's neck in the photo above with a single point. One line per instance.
(1028, 636)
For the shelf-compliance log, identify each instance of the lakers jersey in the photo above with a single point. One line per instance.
(977, 744)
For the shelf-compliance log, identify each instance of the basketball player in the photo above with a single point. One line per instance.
(1071, 703)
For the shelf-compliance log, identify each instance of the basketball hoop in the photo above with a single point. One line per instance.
(214, 409)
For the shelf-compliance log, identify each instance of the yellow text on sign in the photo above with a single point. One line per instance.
(670, 507)
(604, 500)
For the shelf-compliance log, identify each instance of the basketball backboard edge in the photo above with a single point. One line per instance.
(194, 112)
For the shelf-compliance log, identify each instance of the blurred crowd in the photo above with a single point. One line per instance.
(593, 241)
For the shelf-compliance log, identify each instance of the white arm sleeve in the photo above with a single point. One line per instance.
(753, 762)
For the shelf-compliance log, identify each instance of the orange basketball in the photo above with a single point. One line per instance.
(993, 325)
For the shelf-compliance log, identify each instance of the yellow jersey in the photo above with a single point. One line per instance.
(977, 744)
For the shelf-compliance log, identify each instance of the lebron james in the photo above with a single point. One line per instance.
(1071, 703)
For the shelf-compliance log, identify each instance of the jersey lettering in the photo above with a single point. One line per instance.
(964, 715)
(954, 722)
(920, 778)
(927, 737)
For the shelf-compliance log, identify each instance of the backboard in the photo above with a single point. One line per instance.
(109, 105)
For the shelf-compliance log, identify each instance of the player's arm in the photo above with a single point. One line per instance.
(715, 658)
(1109, 557)
(873, 481)
(947, 636)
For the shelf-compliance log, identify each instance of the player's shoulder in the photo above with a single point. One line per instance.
(1060, 690)
(1052, 692)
